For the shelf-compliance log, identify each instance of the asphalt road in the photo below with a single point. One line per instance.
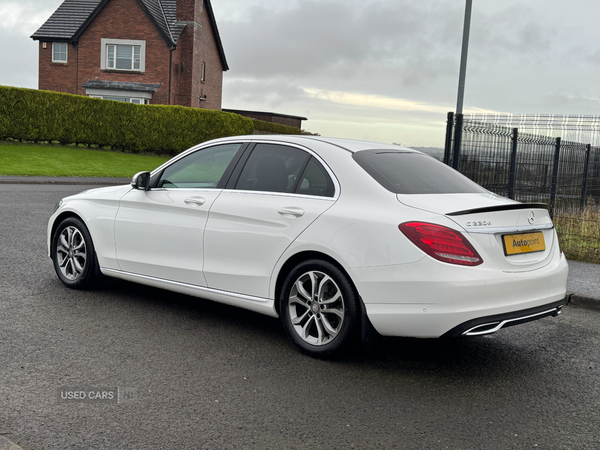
(208, 376)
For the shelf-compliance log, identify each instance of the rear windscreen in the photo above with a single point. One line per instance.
(414, 173)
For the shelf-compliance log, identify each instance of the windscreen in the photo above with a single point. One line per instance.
(414, 173)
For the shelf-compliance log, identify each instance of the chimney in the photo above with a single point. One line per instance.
(189, 10)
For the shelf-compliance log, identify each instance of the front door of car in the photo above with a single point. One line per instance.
(278, 194)
(159, 233)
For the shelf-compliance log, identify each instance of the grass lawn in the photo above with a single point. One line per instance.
(579, 233)
(70, 161)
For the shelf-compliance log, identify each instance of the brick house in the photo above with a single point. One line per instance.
(164, 52)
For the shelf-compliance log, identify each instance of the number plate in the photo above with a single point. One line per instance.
(523, 243)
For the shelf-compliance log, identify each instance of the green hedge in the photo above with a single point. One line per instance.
(274, 128)
(32, 115)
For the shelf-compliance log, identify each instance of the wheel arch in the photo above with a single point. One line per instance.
(57, 221)
(369, 336)
(93, 265)
(306, 255)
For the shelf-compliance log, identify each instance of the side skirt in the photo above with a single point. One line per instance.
(258, 304)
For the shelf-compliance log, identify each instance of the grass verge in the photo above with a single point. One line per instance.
(70, 161)
(579, 233)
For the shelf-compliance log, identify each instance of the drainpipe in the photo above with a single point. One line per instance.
(76, 48)
(171, 70)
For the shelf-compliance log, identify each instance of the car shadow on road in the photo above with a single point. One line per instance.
(507, 352)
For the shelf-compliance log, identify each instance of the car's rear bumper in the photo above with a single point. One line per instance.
(491, 324)
(428, 300)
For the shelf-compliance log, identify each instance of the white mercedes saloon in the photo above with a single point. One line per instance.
(341, 239)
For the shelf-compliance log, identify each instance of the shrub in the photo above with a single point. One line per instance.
(32, 115)
(262, 127)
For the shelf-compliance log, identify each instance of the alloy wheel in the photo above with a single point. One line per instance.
(316, 308)
(71, 253)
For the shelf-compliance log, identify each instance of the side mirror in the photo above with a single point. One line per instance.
(141, 181)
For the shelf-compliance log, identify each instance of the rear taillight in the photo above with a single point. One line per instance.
(441, 243)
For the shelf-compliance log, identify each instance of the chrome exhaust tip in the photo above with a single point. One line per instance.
(492, 327)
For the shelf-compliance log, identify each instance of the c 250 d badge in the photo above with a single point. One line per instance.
(479, 223)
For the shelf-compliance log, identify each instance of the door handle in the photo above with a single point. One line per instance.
(291, 211)
(197, 201)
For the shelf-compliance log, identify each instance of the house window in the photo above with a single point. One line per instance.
(122, 54)
(137, 101)
(123, 57)
(59, 52)
(203, 72)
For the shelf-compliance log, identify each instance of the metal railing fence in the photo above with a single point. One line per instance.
(548, 159)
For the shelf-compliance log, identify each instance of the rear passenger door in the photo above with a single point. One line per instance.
(274, 195)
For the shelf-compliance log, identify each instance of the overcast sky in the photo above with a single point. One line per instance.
(384, 70)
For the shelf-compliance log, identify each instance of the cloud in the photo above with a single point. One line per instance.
(512, 32)
(25, 17)
(384, 62)
(375, 101)
(20, 61)
(245, 93)
(345, 41)
(18, 21)
(398, 49)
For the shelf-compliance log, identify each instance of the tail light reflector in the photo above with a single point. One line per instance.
(441, 243)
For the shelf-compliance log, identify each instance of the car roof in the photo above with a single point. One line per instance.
(351, 145)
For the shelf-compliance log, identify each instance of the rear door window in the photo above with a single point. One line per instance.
(272, 168)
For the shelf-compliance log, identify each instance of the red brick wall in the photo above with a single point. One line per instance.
(197, 45)
(189, 10)
(124, 19)
(57, 76)
(213, 87)
(183, 58)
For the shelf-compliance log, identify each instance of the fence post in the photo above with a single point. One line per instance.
(585, 174)
(513, 165)
(457, 140)
(448, 146)
(554, 178)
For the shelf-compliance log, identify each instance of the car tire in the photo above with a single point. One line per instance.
(73, 254)
(319, 309)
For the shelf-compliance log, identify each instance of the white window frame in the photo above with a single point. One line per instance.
(61, 61)
(132, 56)
(203, 72)
(134, 100)
(142, 98)
(104, 43)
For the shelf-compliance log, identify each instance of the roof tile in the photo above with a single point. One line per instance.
(67, 22)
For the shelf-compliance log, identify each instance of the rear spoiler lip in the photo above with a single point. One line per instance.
(507, 207)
